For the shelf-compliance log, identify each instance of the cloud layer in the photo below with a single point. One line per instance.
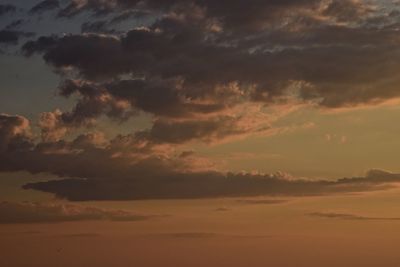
(28, 212)
(124, 169)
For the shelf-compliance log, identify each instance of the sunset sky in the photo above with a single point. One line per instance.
(199, 133)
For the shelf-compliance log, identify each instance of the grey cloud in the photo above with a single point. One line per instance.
(202, 235)
(45, 5)
(188, 235)
(234, 14)
(345, 216)
(29, 212)
(100, 26)
(181, 132)
(14, 133)
(347, 10)
(15, 24)
(261, 201)
(12, 36)
(122, 99)
(129, 14)
(203, 185)
(222, 209)
(4, 9)
(320, 61)
(82, 235)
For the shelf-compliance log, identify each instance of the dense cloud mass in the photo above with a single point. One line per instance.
(204, 71)
(332, 53)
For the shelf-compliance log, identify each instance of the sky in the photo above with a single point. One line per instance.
(174, 127)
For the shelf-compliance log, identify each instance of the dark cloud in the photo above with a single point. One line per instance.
(180, 118)
(27, 212)
(332, 64)
(130, 14)
(347, 10)
(202, 235)
(185, 131)
(238, 16)
(100, 26)
(234, 14)
(4, 9)
(82, 235)
(189, 235)
(45, 5)
(345, 216)
(261, 201)
(222, 209)
(93, 103)
(14, 133)
(202, 185)
(15, 24)
(12, 36)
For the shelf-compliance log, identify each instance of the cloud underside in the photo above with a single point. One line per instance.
(204, 72)
(200, 185)
(29, 212)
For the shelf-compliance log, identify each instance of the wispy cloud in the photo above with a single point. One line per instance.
(29, 212)
(346, 216)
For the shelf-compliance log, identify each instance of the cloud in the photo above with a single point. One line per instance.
(261, 201)
(14, 24)
(267, 66)
(204, 235)
(45, 5)
(347, 10)
(345, 216)
(180, 132)
(222, 209)
(189, 235)
(99, 26)
(12, 36)
(233, 16)
(205, 71)
(81, 235)
(4, 9)
(28, 212)
(175, 185)
(14, 132)
(178, 118)
(124, 169)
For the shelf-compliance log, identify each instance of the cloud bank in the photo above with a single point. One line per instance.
(123, 169)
